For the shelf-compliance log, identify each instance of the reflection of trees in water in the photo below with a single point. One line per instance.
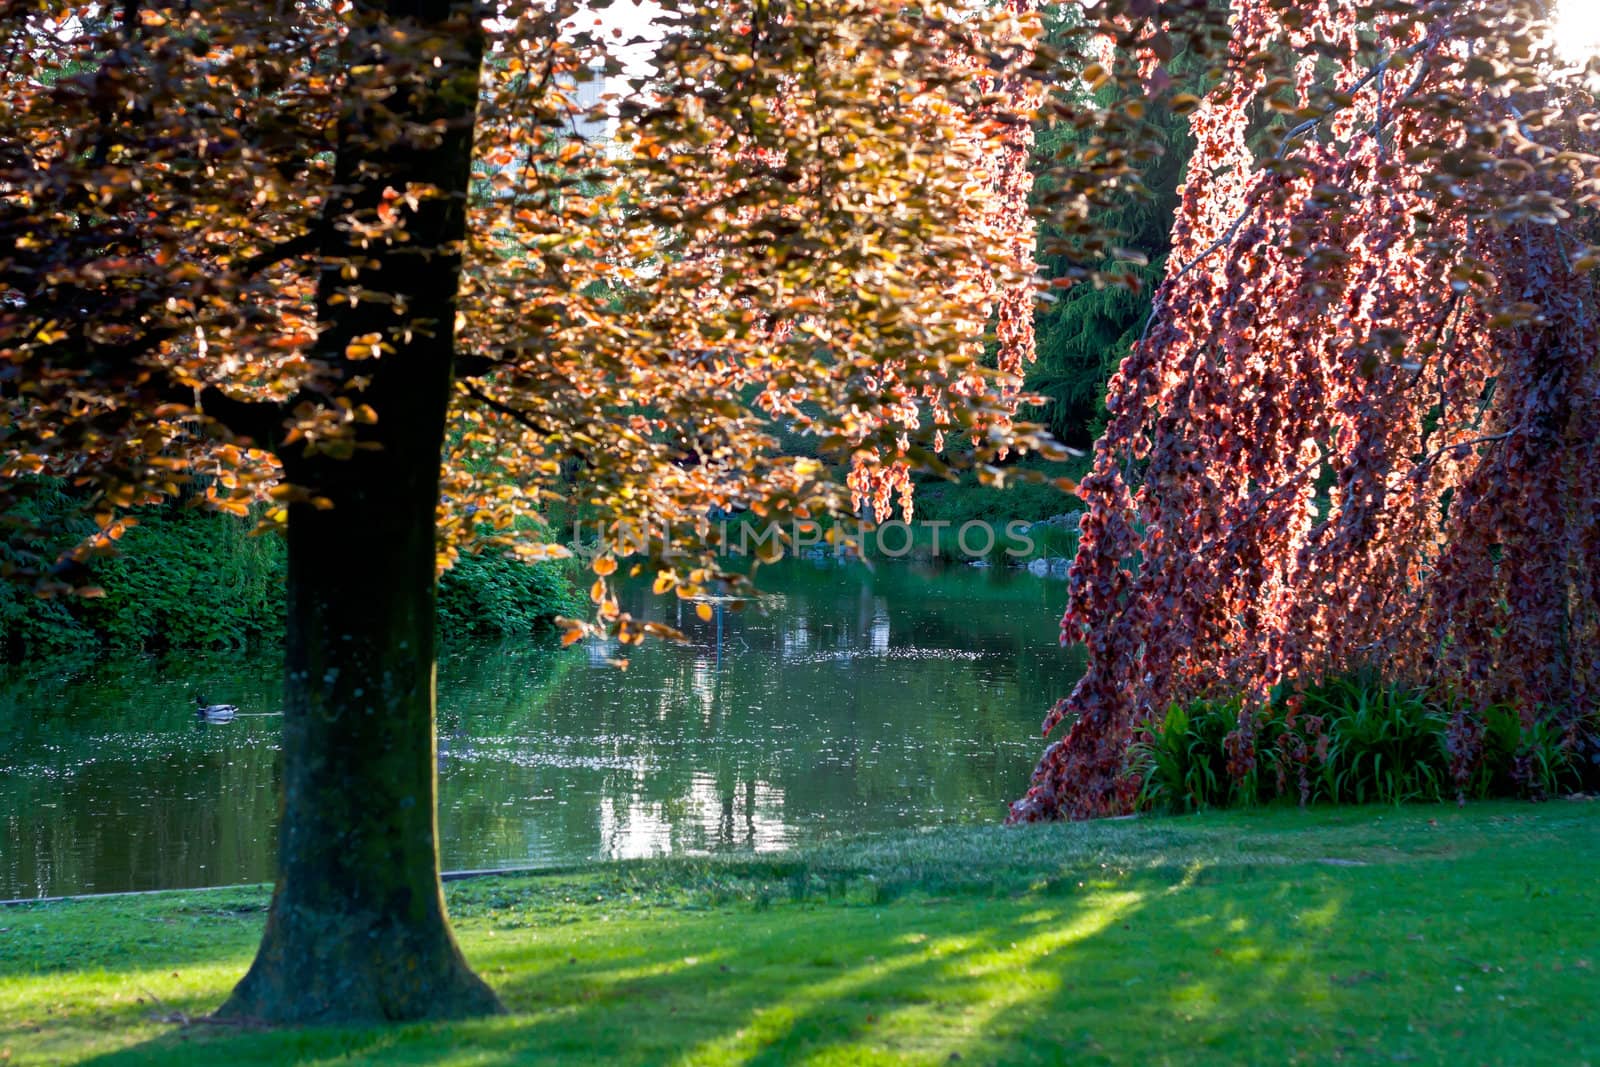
(949, 607)
(861, 700)
(72, 710)
(492, 687)
(168, 812)
(110, 783)
(733, 832)
(860, 703)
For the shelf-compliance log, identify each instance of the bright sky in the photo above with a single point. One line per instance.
(1578, 28)
(631, 18)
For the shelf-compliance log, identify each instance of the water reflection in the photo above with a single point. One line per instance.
(853, 701)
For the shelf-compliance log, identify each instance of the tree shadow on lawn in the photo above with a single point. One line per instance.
(1256, 963)
(1063, 971)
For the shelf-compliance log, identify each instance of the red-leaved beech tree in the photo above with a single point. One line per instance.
(1361, 429)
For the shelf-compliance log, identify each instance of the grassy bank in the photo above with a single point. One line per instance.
(1427, 935)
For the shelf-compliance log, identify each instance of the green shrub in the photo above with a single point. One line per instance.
(497, 595)
(27, 623)
(1351, 739)
(190, 579)
(1185, 758)
(1386, 742)
(968, 500)
(1534, 758)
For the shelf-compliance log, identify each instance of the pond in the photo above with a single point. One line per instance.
(855, 701)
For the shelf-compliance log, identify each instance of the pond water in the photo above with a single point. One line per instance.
(854, 702)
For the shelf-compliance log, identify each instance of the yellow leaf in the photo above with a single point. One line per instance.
(704, 611)
(366, 346)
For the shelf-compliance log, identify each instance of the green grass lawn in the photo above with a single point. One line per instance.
(1374, 935)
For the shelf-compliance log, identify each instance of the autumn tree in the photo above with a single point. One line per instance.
(1360, 429)
(348, 263)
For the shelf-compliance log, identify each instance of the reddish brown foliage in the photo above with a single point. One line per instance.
(1361, 429)
(809, 218)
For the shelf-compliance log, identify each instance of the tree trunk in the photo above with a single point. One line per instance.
(357, 930)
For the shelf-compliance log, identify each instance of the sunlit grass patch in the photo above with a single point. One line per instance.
(1425, 934)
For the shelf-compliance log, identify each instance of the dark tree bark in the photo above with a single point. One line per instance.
(357, 928)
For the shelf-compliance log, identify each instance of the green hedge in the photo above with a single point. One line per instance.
(191, 579)
(493, 595)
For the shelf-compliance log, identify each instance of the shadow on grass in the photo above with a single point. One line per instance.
(1420, 960)
(1022, 981)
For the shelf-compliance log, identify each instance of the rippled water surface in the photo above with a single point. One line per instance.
(856, 701)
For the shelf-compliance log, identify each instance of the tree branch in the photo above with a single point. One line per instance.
(1472, 442)
(505, 409)
(259, 420)
(292, 248)
(475, 366)
(1295, 133)
(1260, 500)
(82, 354)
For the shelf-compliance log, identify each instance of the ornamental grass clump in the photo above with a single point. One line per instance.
(1353, 739)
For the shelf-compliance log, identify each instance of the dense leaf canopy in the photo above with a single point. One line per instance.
(1360, 430)
(805, 218)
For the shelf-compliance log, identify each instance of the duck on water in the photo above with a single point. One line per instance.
(213, 712)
